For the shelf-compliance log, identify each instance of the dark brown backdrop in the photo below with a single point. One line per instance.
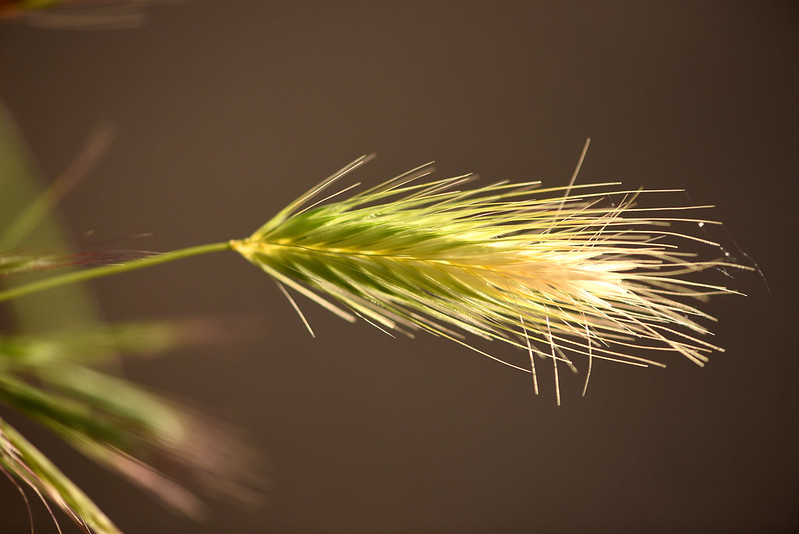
(226, 110)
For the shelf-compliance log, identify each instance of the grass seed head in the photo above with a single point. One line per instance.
(556, 272)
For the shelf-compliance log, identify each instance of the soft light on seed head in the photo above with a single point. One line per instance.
(555, 272)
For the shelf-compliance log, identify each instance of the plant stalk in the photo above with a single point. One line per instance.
(107, 270)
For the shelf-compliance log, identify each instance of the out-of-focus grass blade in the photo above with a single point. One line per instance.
(18, 457)
(140, 435)
(21, 188)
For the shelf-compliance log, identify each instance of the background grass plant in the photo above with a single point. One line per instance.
(54, 370)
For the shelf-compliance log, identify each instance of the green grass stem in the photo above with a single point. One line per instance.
(107, 270)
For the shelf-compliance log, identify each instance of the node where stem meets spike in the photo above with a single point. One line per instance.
(506, 261)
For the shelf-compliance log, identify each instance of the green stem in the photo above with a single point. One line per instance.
(107, 270)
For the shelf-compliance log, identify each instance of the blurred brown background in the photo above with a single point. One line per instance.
(226, 110)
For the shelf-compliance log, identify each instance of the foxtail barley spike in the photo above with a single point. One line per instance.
(550, 271)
